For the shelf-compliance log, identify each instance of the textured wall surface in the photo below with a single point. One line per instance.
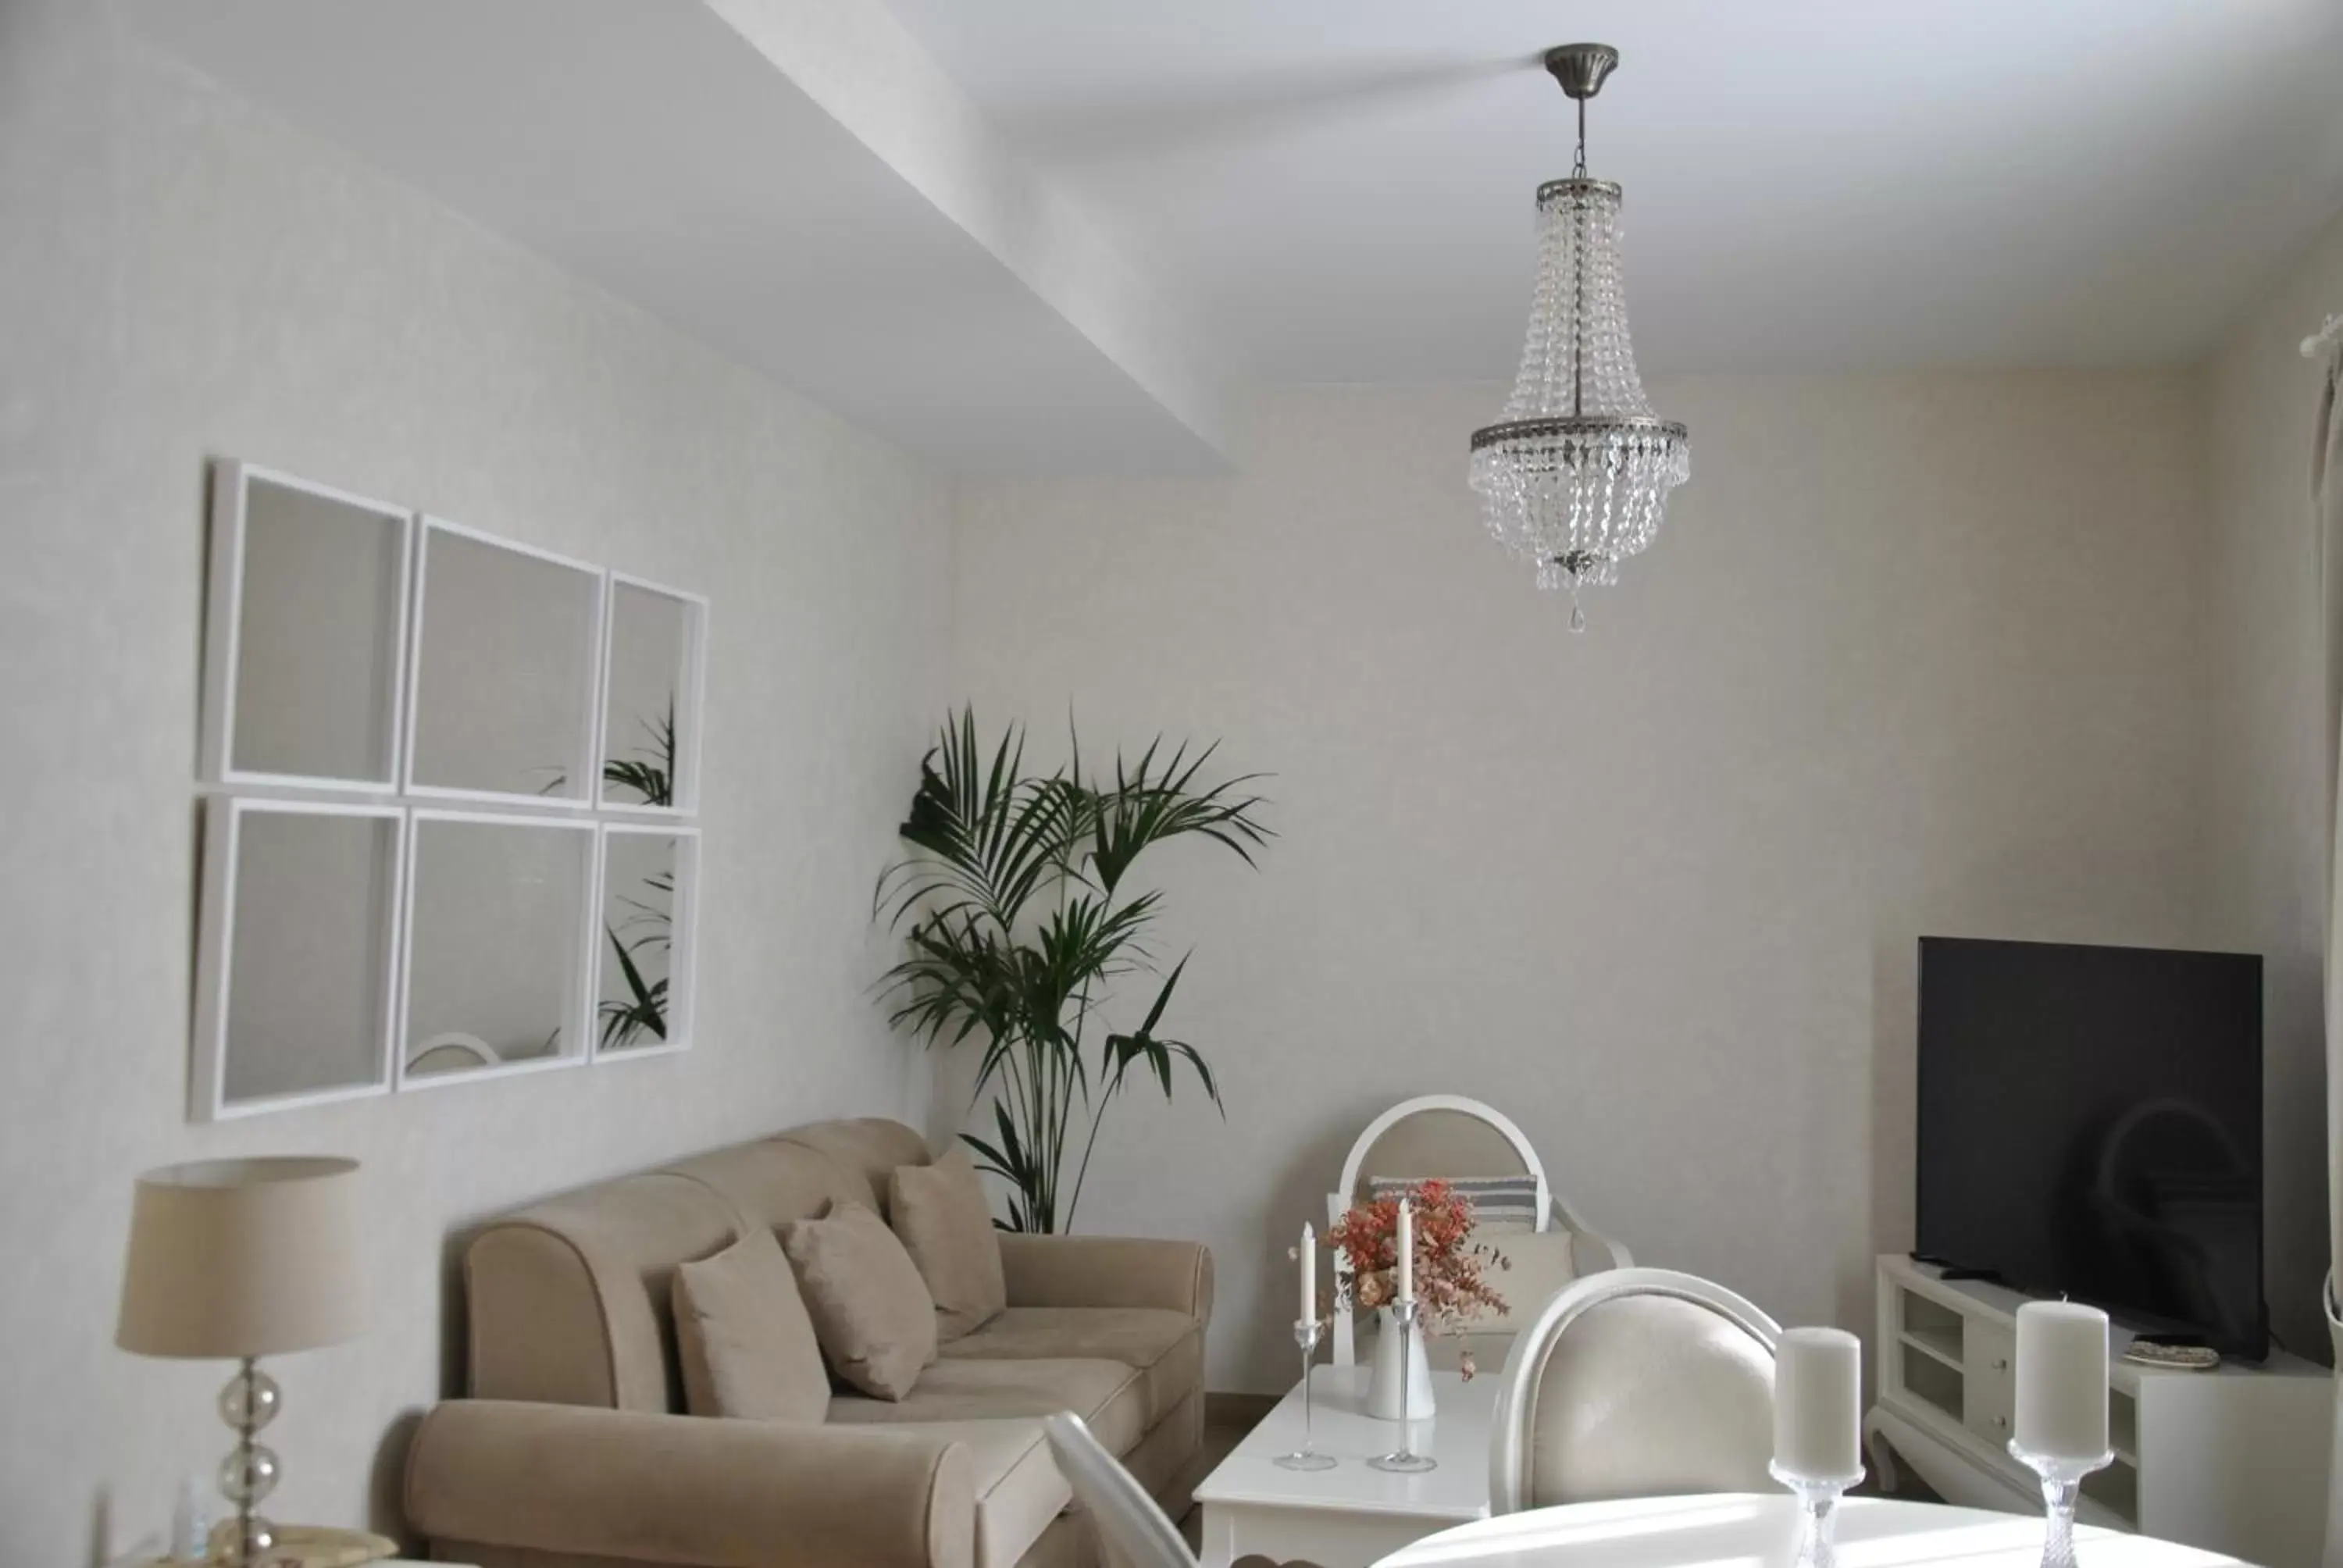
(188, 278)
(1914, 655)
(2269, 823)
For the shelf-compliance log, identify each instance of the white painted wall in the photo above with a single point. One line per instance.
(2267, 821)
(1914, 654)
(188, 278)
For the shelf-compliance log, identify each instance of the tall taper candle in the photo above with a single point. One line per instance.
(1818, 1405)
(1309, 1312)
(1405, 1245)
(2062, 1380)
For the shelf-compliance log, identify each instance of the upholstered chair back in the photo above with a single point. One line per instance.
(1437, 1142)
(1636, 1382)
(568, 1301)
(1131, 1526)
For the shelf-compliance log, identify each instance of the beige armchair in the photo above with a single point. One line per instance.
(1638, 1382)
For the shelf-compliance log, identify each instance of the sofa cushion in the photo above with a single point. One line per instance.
(742, 1334)
(870, 1309)
(1166, 1348)
(1019, 1489)
(1107, 1394)
(940, 1213)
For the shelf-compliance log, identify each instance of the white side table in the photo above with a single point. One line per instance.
(1348, 1516)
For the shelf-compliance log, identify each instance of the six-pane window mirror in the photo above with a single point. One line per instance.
(412, 732)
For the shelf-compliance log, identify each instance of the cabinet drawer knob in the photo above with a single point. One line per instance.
(2001, 1364)
(2000, 1422)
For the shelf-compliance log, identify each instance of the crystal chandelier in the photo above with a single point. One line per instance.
(1576, 476)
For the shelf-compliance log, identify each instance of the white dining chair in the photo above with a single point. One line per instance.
(1546, 1245)
(1131, 1527)
(1637, 1383)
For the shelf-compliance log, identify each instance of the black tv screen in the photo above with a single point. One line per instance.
(2091, 1125)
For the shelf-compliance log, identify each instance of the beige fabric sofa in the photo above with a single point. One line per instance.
(574, 1450)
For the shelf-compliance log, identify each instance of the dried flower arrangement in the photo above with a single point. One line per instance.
(1451, 1289)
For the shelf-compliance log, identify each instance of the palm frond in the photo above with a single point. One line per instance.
(1012, 906)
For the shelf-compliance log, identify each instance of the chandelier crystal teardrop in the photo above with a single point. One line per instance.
(1574, 477)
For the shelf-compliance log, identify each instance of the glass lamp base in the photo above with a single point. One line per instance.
(1403, 1463)
(1304, 1459)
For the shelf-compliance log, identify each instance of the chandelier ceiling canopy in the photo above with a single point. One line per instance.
(1575, 476)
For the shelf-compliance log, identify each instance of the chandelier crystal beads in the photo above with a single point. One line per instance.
(1576, 476)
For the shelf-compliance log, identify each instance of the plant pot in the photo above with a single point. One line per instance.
(1383, 1382)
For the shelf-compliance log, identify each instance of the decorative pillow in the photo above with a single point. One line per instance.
(941, 1213)
(1499, 1203)
(871, 1312)
(741, 1332)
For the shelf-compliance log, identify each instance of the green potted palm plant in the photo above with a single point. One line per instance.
(1016, 906)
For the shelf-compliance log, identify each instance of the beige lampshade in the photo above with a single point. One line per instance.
(233, 1258)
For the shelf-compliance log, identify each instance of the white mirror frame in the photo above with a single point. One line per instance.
(224, 640)
(224, 817)
(683, 939)
(227, 795)
(578, 1015)
(690, 686)
(586, 761)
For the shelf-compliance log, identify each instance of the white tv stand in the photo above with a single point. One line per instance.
(2233, 1459)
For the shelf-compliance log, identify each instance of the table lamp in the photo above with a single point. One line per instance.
(238, 1259)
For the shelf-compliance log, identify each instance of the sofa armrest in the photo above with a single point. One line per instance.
(577, 1482)
(1107, 1271)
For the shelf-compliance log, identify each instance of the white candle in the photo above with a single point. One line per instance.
(1406, 1249)
(1818, 1404)
(1309, 1276)
(2062, 1379)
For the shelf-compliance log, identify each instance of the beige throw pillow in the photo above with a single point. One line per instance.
(940, 1213)
(741, 1332)
(870, 1309)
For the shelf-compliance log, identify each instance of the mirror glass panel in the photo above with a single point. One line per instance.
(648, 711)
(494, 944)
(504, 669)
(645, 881)
(309, 958)
(317, 628)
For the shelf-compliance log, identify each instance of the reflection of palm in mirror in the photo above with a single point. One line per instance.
(640, 928)
(650, 772)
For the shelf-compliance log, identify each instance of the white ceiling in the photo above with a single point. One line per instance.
(1344, 191)
(1046, 233)
(929, 291)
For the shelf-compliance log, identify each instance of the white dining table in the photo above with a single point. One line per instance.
(1728, 1530)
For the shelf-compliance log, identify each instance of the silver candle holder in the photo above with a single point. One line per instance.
(1402, 1460)
(1817, 1512)
(2062, 1488)
(1307, 1332)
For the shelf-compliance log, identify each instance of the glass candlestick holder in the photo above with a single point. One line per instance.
(1818, 1498)
(1306, 1335)
(2062, 1488)
(1404, 1459)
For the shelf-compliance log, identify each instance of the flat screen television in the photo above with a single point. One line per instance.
(2091, 1126)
